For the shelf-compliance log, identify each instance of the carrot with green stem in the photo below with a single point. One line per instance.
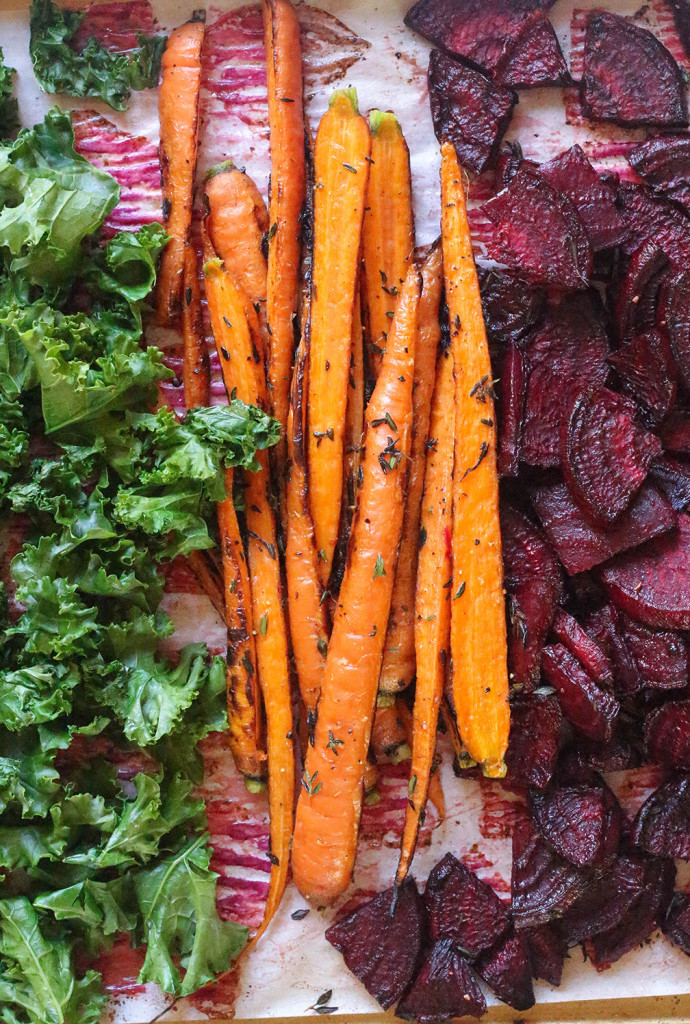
(341, 169)
(178, 108)
(398, 669)
(388, 233)
(330, 802)
(478, 626)
(432, 603)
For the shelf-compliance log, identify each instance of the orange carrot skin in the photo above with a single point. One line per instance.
(330, 802)
(388, 738)
(398, 668)
(388, 233)
(178, 106)
(196, 371)
(435, 795)
(287, 196)
(236, 334)
(478, 628)
(432, 604)
(341, 171)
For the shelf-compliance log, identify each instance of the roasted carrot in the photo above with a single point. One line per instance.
(478, 627)
(432, 603)
(178, 108)
(370, 781)
(196, 372)
(435, 795)
(286, 200)
(341, 170)
(398, 669)
(233, 337)
(330, 803)
(209, 577)
(388, 738)
(388, 234)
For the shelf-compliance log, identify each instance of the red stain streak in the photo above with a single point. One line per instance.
(498, 815)
(120, 967)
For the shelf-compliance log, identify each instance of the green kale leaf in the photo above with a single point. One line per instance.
(9, 112)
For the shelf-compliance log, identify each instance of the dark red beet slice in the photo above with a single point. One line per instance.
(532, 579)
(508, 971)
(664, 162)
(509, 162)
(547, 950)
(468, 110)
(661, 658)
(443, 988)
(538, 231)
(380, 948)
(587, 651)
(534, 58)
(462, 908)
(605, 454)
(673, 477)
(595, 200)
(638, 290)
(535, 729)
(639, 921)
(565, 353)
(675, 314)
(675, 433)
(580, 822)
(647, 369)
(510, 305)
(677, 924)
(629, 77)
(477, 29)
(681, 16)
(617, 756)
(605, 625)
(580, 544)
(653, 584)
(511, 410)
(590, 709)
(543, 885)
(649, 216)
(607, 899)
(662, 824)
(667, 734)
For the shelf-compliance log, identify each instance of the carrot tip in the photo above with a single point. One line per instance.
(400, 753)
(345, 95)
(494, 769)
(372, 797)
(255, 785)
(199, 15)
(224, 165)
(380, 120)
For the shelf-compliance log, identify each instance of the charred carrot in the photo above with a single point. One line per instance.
(196, 373)
(435, 794)
(478, 627)
(388, 738)
(432, 603)
(341, 171)
(329, 805)
(287, 196)
(388, 234)
(398, 669)
(209, 578)
(178, 108)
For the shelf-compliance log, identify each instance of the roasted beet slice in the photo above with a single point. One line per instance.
(675, 433)
(647, 369)
(607, 899)
(629, 77)
(639, 921)
(535, 729)
(538, 231)
(605, 625)
(638, 289)
(661, 657)
(509, 162)
(605, 454)
(508, 971)
(662, 824)
(649, 216)
(617, 756)
(580, 822)
(681, 16)
(462, 908)
(591, 709)
(664, 162)
(443, 988)
(586, 650)
(572, 174)
(543, 885)
(381, 948)
(653, 584)
(667, 734)
(673, 477)
(532, 579)
(580, 544)
(534, 58)
(675, 314)
(510, 305)
(468, 110)
(565, 353)
(547, 951)
(677, 924)
(477, 29)
(511, 410)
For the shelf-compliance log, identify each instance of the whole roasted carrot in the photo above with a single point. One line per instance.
(478, 627)
(178, 108)
(287, 197)
(341, 170)
(330, 803)
(196, 372)
(432, 603)
(398, 669)
(388, 231)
